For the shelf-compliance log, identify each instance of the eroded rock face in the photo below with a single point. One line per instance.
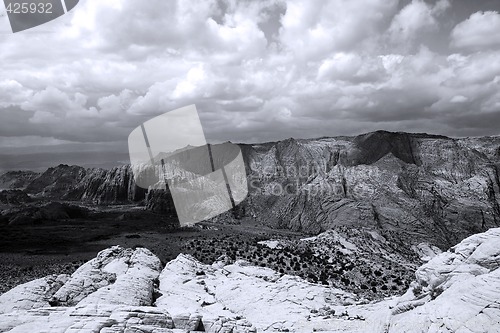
(90, 185)
(16, 180)
(107, 186)
(56, 181)
(457, 291)
(125, 290)
(417, 187)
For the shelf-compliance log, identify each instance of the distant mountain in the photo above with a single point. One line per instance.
(40, 159)
(410, 188)
(14, 180)
(75, 183)
(430, 188)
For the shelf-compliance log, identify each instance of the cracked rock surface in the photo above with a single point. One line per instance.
(127, 290)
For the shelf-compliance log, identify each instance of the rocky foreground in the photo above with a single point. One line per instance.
(127, 290)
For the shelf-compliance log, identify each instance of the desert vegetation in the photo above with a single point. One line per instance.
(351, 273)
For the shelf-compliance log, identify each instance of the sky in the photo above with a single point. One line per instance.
(257, 70)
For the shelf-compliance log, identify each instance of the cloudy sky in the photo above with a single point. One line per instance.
(257, 70)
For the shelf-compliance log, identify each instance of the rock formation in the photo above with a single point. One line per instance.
(416, 187)
(457, 291)
(428, 188)
(125, 290)
(75, 183)
(16, 180)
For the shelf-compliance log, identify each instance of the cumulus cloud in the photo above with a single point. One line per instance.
(52, 104)
(479, 31)
(314, 29)
(13, 93)
(416, 18)
(257, 70)
(351, 67)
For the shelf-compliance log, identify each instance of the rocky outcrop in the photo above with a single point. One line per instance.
(32, 295)
(125, 290)
(16, 180)
(457, 291)
(56, 181)
(115, 276)
(267, 299)
(98, 186)
(118, 292)
(107, 186)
